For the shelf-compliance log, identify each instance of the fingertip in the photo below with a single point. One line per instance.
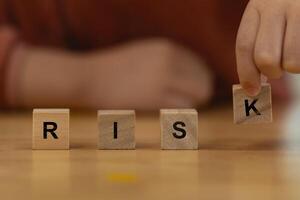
(251, 89)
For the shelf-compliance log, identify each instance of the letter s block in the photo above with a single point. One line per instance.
(50, 129)
(252, 110)
(179, 128)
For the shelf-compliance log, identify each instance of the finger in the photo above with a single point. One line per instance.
(269, 43)
(263, 78)
(248, 73)
(291, 55)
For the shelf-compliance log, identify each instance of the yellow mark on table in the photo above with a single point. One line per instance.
(121, 177)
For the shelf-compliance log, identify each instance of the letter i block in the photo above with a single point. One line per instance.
(251, 110)
(50, 129)
(116, 129)
(179, 128)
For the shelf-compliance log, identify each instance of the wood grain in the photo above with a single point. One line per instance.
(262, 102)
(233, 162)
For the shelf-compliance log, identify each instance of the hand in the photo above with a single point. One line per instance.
(268, 42)
(147, 75)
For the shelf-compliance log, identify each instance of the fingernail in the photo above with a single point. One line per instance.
(251, 89)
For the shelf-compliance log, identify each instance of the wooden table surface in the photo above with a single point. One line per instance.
(234, 161)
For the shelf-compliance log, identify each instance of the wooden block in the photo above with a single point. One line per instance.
(251, 110)
(116, 129)
(179, 128)
(51, 129)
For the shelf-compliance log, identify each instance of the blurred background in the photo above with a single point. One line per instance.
(117, 54)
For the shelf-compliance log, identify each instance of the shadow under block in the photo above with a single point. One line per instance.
(51, 129)
(179, 128)
(116, 129)
(252, 110)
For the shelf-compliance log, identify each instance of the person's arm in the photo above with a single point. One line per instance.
(144, 75)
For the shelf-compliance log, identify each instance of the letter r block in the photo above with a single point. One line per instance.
(179, 128)
(252, 110)
(50, 129)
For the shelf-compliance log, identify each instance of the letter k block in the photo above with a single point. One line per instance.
(252, 110)
(50, 129)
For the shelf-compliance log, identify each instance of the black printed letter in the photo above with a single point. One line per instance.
(252, 106)
(115, 130)
(50, 130)
(175, 126)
